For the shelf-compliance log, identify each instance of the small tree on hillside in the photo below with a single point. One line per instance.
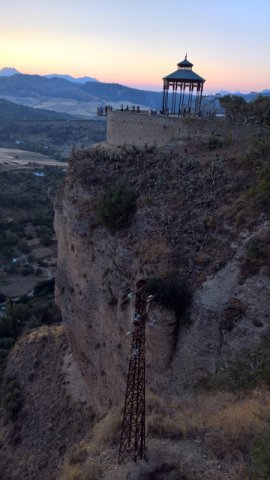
(235, 107)
(261, 110)
(117, 207)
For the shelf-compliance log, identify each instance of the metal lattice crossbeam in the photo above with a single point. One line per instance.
(132, 442)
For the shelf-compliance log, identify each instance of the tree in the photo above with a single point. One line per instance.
(260, 108)
(235, 107)
(13, 320)
(46, 239)
(117, 207)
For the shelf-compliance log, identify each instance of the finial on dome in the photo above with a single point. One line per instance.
(186, 56)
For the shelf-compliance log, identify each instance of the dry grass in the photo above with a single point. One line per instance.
(106, 432)
(257, 256)
(240, 415)
(44, 332)
(238, 471)
(79, 463)
(153, 249)
(225, 422)
(82, 462)
(88, 471)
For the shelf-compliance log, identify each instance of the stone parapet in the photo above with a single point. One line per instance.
(132, 128)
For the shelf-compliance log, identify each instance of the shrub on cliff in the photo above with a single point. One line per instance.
(246, 371)
(117, 207)
(260, 455)
(12, 401)
(214, 142)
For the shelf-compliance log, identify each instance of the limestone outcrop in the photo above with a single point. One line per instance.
(188, 225)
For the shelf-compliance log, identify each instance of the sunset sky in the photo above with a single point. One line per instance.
(137, 42)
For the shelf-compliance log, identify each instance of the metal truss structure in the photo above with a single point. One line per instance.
(132, 443)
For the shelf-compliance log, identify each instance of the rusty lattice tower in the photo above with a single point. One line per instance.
(132, 443)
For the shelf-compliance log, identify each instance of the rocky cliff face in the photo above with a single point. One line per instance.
(54, 413)
(194, 222)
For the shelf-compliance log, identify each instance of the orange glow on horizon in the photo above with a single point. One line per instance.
(35, 53)
(134, 44)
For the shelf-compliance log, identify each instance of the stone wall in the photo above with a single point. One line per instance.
(134, 128)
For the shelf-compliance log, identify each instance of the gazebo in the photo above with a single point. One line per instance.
(183, 78)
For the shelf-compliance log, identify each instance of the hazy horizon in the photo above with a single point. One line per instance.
(153, 89)
(137, 44)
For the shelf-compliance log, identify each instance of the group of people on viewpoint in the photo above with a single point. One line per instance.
(103, 109)
(133, 108)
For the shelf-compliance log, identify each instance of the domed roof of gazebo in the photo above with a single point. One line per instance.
(184, 73)
(185, 63)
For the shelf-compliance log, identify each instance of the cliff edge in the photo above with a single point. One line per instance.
(201, 211)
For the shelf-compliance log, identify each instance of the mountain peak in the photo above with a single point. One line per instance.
(80, 80)
(8, 72)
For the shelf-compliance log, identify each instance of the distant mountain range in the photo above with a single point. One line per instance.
(30, 88)
(8, 72)
(72, 79)
(247, 96)
(226, 92)
(80, 96)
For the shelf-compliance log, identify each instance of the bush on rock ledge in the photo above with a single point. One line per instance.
(117, 207)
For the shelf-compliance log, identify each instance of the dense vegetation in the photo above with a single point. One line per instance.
(28, 199)
(28, 313)
(237, 109)
(244, 372)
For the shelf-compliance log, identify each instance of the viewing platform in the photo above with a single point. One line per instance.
(132, 128)
(138, 127)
